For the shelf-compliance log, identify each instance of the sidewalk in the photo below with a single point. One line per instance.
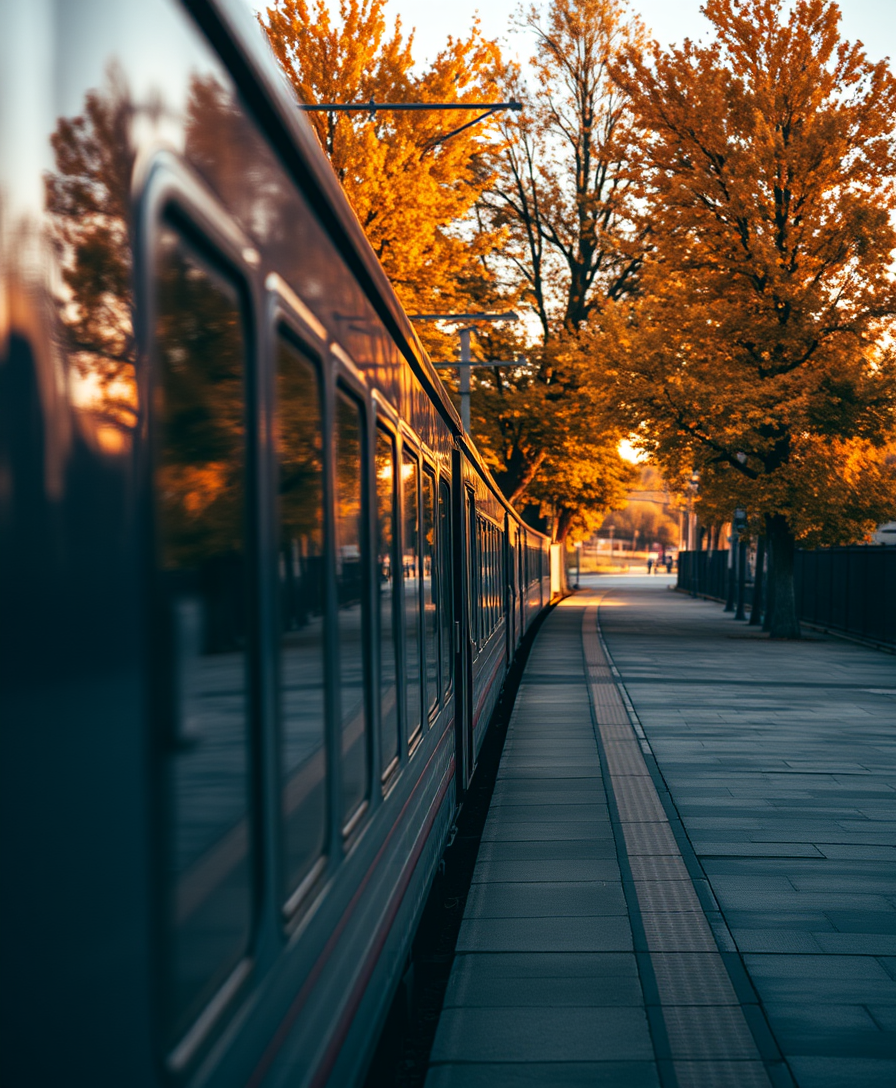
(780, 759)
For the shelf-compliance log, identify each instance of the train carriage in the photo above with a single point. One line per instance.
(258, 592)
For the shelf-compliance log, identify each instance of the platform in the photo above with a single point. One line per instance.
(688, 874)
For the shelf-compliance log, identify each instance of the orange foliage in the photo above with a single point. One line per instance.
(413, 195)
(761, 351)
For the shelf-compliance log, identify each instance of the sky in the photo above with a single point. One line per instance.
(871, 21)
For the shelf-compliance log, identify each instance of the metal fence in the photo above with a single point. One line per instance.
(704, 573)
(852, 590)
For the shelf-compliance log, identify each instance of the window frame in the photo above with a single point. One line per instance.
(172, 197)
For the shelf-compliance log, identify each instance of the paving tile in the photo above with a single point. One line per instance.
(857, 944)
(718, 1074)
(692, 978)
(807, 967)
(776, 940)
(829, 1029)
(478, 990)
(603, 934)
(555, 900)
(563, 850)
(519, 965)
(537, 870)
(618, 1074)
(833, 1072)
(501, 829)
(857, 921)
(708, 1033)
(540, 1034)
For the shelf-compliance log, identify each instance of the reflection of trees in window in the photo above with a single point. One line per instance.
(386, 567)
(200, 477)
(88, 198)
(349, 552)
(299, 444)
(199, 459)
(410, 568)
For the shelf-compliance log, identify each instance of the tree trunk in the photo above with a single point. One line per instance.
(756, 609)
(782, 545)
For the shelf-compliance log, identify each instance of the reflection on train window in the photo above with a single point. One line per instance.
(444, 587)
(298, 444)
(348, 441)
(410, 565)
(386, 566)
(430, 591)
(472, 569)
(200, 495)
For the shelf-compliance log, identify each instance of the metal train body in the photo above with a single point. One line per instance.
(258, 592)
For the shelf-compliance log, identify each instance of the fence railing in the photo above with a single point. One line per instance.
(852, 590)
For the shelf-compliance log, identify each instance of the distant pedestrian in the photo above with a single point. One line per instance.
(668, 564)
(650, 565)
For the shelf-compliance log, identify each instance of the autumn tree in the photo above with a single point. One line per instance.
(88, 198)
(413, 191)
(760, 352)
(563, 195)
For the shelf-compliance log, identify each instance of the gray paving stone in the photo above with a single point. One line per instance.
(585, 991)
(590, 934)
(806, 967)
(543, 1034)
(829, 1029)
(518, 965)
(555, 900)
(514, 830)
(789, 941)
(545, 1075)
(857, 944)
(564, 850)
(831, 1072)
(516, 870)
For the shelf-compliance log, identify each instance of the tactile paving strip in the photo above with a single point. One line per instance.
(713, 1031)
(667, 895)
(678, 931)
(692, 978)
(749, 1074)
(653, 839)
(709, 1039)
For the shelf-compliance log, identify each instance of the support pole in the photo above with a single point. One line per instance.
(465, 360)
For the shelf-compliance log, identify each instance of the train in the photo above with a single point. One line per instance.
(258, 590)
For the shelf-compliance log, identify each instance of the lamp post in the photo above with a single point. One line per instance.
(578, 547)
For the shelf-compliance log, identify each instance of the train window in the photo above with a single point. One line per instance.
(199, 477)
(445, 582)
(298, 444)
(348, 444)
(386, 567)
(430, 590)
(410, 564)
